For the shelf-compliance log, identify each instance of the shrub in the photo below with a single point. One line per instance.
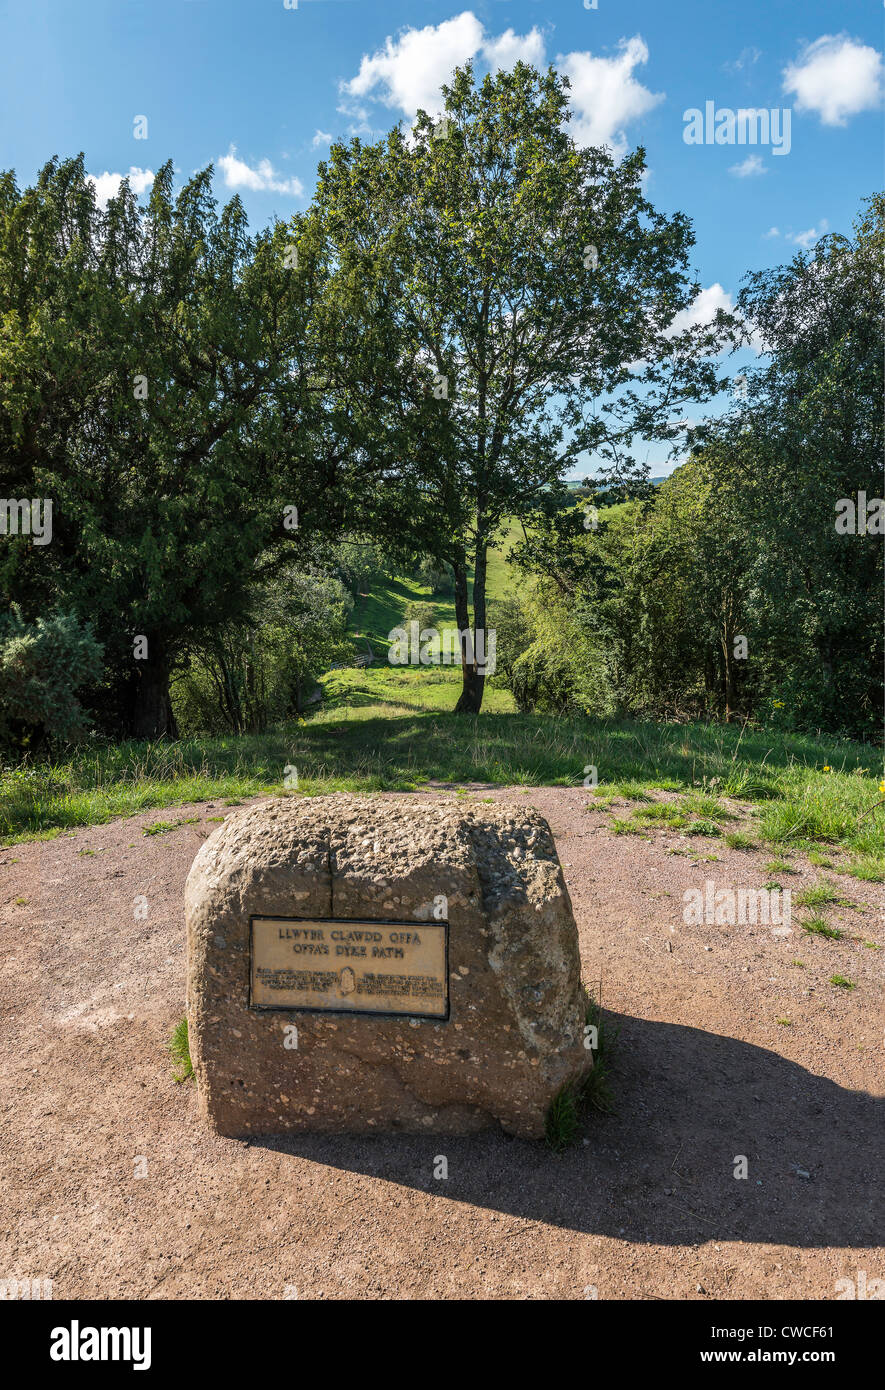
(42, 667)
(424, 614)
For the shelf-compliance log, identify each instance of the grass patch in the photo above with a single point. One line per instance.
(393, 730)
(178, 1048)
(819, 896)
(819, 926)
(869, 868)
(706, 807)
(820, 861)
(163, 827)
(779, 866)
(702, 827)
(563, 1122)
(665, 811)
(842, 982)
(627, 827)
(736, 839)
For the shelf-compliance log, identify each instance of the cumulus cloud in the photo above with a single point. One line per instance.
(703, 309)
(107, 185)
(511, 48)
(808, 238)
(748, 167)
(605, 94)
(262, 179)
(837, 77)
(408, 71)
(321, 138)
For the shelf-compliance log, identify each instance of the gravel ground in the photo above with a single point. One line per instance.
(645, 1205)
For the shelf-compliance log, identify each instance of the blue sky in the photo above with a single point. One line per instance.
(259, 88)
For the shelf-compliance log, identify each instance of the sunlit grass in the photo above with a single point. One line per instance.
(390, 730)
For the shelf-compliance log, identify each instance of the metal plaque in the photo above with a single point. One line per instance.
(350, 967)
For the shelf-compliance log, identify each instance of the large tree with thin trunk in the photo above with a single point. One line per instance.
(529, 291)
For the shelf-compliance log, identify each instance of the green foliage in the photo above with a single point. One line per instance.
(437, 575)
(244, 676)
(43, 666)
(158, 380)
(869, 868)
(563, 1119)
(447, 236)
(819, 926)
(567, 667)
(179, 1050)
(385, 730)
(424, 614)
(729, 592)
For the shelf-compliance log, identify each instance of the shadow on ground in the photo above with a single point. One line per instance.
(661, 1169)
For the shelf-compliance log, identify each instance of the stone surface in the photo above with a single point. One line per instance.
(514, 1035)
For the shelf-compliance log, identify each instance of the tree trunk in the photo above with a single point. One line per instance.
(472, 676)
(152, 716)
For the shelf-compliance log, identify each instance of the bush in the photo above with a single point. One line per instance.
(567, 667)
(244, 677)
(511, 622)
(437, 575)
(42, 667)
(424, 614)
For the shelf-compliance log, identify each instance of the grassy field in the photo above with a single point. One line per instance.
(391, 729)
(381, 609)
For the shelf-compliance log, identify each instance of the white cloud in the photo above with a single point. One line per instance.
(108, 185)
(702, 310)
(806, 239)
(606, 96)
(511, 48)
(321, 138)
(263, 179)
(837, 77)
(751, 165)
(772, 232)
(745, 59)
(408, 71)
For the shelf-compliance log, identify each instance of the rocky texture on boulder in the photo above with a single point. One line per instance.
(515, 1031)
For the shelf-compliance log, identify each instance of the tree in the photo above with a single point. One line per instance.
(811, 435)
(521, 280)
(247, 673)
(170, 382)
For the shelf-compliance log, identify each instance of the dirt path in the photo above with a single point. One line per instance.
(645, 1206)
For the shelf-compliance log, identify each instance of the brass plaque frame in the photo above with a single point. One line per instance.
(369, 923)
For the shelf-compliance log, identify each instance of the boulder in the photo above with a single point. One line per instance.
(425, 960)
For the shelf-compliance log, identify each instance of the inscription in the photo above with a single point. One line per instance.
(350, 967)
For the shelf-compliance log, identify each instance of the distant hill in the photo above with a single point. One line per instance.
(574, 483)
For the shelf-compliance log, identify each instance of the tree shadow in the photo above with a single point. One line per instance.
(661, 1169)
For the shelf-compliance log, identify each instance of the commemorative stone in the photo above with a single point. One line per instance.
(359, 965)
